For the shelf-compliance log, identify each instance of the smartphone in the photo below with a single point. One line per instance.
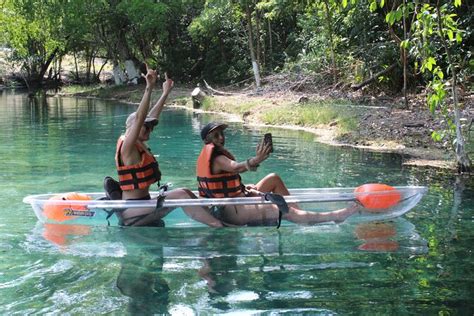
(267, 139)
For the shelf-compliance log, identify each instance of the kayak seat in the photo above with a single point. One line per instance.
(112, 189)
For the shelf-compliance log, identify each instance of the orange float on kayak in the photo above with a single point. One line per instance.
(375, 231)
(380, 245)
(58, 208)
(57, 233)
(377, 196)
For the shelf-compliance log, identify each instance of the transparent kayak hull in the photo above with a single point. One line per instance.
(91, 209)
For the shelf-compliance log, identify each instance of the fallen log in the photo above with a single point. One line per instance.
(356, 87)
(216, 92)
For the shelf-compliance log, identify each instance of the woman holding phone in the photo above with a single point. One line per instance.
(218, 176)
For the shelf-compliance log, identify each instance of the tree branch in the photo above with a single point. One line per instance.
(356, 87)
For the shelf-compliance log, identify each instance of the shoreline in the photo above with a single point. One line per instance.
(429, 157)
(411, 156)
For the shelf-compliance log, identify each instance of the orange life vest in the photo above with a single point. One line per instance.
(140, 175)
(216, 185)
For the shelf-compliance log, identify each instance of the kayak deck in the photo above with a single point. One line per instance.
(94, 211)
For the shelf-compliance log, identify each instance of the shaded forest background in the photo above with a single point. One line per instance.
(336, 42)
(391, 47)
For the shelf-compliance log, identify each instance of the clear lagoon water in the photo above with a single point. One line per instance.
(420, 263)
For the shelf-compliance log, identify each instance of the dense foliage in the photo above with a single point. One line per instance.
(394, 45)
(329, 39)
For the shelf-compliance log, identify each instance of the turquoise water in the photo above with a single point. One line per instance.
(420, 263)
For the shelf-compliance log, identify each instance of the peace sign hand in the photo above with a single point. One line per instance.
(167, 85)
(150, 77)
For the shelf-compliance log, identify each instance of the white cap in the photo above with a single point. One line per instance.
(131, 118)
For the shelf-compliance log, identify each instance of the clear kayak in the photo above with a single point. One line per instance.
(92, 209)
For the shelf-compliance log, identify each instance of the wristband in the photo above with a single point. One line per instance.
(249, 167)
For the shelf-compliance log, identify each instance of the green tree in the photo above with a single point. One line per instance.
(220, 39)
(79, 23)
(439, 21)
(436, 43)
(32, 29)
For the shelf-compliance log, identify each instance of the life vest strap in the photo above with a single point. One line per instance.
(225, 191)
(135, 181)
(219, 179)
(153, 165)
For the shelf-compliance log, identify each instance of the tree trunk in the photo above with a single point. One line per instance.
(132, 71)
(404, 58)
(464, 163)
(270, 43)
(258, 52)
(59, 79)
(119, 76)
(197, 96)
(94, 74)
(88, 65)
(100, 70)
(255, 67)
(331, 41)
(46, 65)
(75, 65)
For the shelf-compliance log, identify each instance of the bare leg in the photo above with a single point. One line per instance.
(268, 213)
(148, 216)
(198, 213)
(303, 217)
(273, 183)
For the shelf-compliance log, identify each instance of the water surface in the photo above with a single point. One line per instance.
(420, 263)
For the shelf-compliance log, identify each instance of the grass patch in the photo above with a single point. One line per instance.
(233, 105)
(209, 104)
(312, 115)
(183, 101)
(131, 93)
(76, 89)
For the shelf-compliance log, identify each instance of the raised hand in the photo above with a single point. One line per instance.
(150, 77)
(167, 85)
(262, 151)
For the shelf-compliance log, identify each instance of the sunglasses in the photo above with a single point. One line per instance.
(217, 133)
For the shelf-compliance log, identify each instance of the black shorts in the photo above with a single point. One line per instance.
(217, 210)
(135, 219)
(146, 197)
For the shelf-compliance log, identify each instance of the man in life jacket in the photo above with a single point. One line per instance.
(218, 176)
(138, 169)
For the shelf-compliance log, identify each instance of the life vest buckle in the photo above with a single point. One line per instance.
(161, 195)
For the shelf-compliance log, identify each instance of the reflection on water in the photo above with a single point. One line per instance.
(418, 264)
(217, 270)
